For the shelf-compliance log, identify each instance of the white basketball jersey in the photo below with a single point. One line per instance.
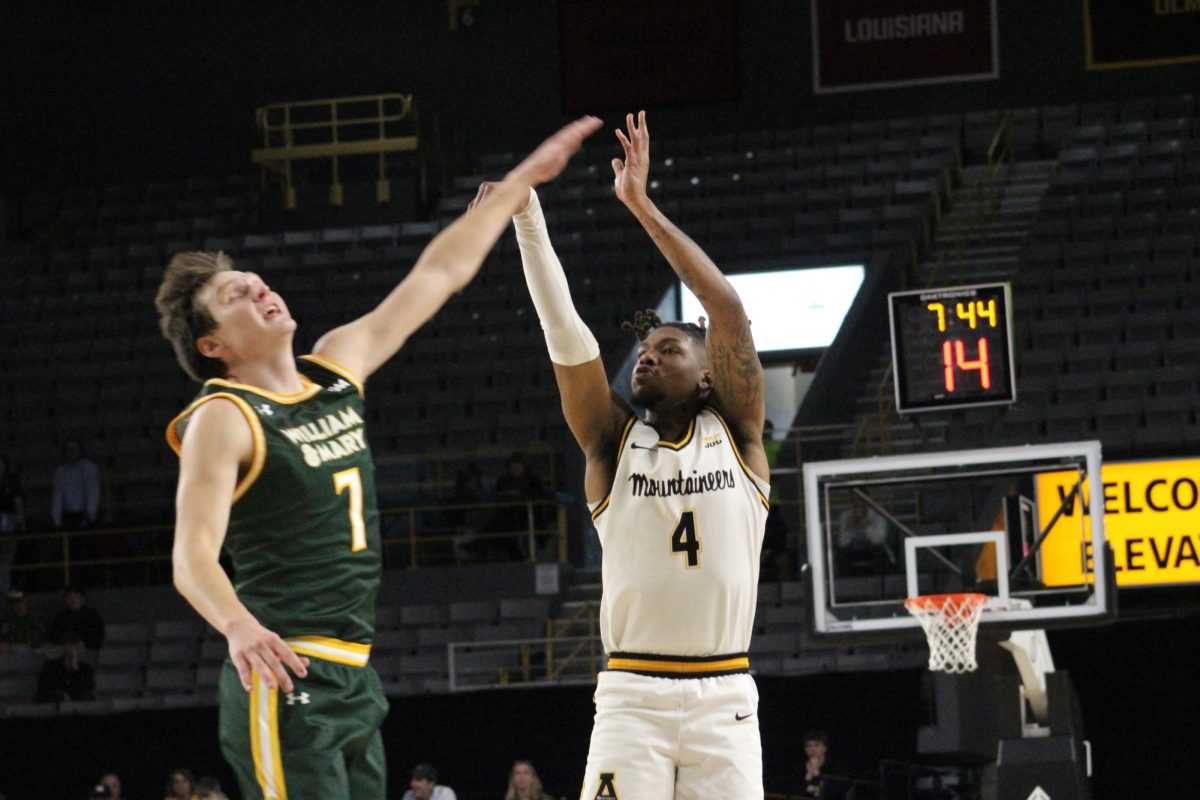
(681, 531)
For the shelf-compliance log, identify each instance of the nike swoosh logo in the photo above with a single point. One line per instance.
(636, 446)
(740, 717)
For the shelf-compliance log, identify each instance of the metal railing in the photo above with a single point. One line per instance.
(427, 545)
(66, 553)
(336, 128)
(874, 434)
(586, 613)
(585, 650)
(561, 661)
(142, 554)
(999, 150)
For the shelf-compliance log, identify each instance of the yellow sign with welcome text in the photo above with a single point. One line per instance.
(1151, 522)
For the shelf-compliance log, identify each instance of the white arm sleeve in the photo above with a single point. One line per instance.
(568, 339)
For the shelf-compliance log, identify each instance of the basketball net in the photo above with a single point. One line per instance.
(950, 622)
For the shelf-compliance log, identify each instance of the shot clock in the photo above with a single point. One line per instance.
(952, 347)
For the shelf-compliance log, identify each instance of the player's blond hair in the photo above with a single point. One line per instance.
(181, 319)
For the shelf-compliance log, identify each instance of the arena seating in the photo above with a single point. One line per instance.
(176, 661)
(1104, 285)
(476, 378)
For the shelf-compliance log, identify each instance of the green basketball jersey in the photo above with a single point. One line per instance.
(304, 528)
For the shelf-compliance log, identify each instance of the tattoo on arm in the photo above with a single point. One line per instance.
(733, 358)
(737, 372)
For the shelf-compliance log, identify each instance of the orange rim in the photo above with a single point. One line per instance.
(925, 601)
(954, 609)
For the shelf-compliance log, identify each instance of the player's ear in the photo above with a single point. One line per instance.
(705, 384)
(210, 347)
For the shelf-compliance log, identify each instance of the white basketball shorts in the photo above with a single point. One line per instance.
(661, 738)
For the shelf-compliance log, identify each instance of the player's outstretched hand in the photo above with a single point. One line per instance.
(253, 648)
(630, 175)
(487, 188)
(551, 157)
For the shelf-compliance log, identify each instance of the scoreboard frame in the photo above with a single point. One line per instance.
(944, 321)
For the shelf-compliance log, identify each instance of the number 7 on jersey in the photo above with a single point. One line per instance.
(352, 479)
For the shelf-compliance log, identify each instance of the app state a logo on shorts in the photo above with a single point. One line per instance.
(608, 787)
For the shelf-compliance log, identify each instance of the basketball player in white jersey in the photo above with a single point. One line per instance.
(679, 499)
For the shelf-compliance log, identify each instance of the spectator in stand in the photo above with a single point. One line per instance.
(113, 782)
(75, 504)
(181, 785)
(12, 519)
(517, 483)
(468, 490)
(78, 618)
(862, 539)
(20, 627)
(209, 788)
(770, 445)
(777, 558)
(816, 747)
(524, 784)
(424, 785)
(67, 677)
(818, 781)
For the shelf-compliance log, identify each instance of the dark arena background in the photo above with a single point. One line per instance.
(1054, 148)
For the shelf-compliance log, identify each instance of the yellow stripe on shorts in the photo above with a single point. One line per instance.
(679, 666)
(351, 654)
(264, 739)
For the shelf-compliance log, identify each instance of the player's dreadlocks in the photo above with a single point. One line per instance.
(646, 321)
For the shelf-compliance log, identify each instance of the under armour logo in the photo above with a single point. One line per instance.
(608, 787)
(340, 385)
(1038, 794)
(265, 410)
(293, 698)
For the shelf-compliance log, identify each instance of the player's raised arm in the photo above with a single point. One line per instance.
(217, 442)
(593, 413)
(449, 262)
(733, 360)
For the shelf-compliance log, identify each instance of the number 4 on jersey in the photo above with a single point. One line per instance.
(684, 539)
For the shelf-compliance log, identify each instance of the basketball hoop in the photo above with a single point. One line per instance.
(950, 622)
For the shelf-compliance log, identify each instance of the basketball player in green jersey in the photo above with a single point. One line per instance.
(274, 467)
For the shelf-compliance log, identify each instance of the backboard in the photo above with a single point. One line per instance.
(883, 529)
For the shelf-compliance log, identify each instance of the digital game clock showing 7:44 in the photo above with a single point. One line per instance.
(952, 347)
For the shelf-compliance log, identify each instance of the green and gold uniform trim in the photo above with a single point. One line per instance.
(658, 666)
(257, 458)
(264, 738)
(336, 368)
(620, 451)
(264, 708)
(738, 454)
(351, 654)
(308, 391)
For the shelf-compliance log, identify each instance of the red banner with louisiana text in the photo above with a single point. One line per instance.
(876, 44)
